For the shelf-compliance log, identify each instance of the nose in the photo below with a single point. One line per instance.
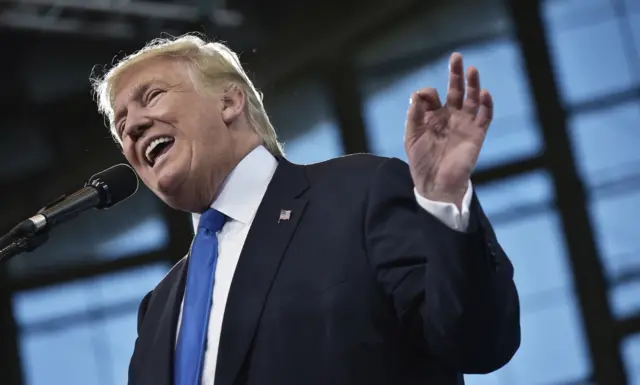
(137, 125)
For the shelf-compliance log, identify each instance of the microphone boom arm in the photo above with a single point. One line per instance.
(26, 243)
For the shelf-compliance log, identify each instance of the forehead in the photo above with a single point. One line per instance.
(158, 70)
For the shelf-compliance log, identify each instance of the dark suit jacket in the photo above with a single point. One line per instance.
(360, 286)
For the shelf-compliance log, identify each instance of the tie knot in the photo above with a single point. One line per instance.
(212, 220)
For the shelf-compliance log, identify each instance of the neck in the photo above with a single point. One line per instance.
(240, 151)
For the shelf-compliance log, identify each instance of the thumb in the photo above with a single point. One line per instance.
(422, 102)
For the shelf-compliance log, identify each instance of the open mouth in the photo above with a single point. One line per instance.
(157, 148)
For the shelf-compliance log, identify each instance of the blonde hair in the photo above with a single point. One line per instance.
(209, 63)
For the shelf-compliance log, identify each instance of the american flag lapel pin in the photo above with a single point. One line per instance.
(285, 215)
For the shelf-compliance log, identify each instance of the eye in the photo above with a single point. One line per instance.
(120, 128)
(153, 94)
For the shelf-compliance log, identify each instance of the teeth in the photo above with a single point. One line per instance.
(153, 145)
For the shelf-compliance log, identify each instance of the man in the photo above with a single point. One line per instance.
(358, 270)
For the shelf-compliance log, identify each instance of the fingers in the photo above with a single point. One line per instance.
(472, 102)
(423, 101)
(430, 97)
(455, 91)
(478, 102)
(485, 112)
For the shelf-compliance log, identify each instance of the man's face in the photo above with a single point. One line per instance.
(182, 143)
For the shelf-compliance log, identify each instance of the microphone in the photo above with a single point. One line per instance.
(103, 190)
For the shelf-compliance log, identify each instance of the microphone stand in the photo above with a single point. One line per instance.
(21, 244)
(24, 237)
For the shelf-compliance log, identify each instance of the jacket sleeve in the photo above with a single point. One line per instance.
(453, 292)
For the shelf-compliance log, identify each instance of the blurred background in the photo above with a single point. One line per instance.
(559, 175)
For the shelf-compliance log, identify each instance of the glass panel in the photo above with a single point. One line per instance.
(567, 14)
(633, 5)
(606, 143)
(321, 142)
(150, 234)
(84, 349)
(631, 356)
(385, 113)
(501, 196)
(126, 286)
(483, 379)
(510, 138)
(536, 248)
(615, 225)
(590, 60)
(39, 306)
(120, 335)
(96, 352)
(553, 347)
(65, 356)
(303, 118)
(625, 299)
(634, 21)
(50, 303)
(513, 133)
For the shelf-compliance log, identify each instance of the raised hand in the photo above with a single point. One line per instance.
(443, 142)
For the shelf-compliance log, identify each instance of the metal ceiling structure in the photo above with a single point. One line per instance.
(52, 45)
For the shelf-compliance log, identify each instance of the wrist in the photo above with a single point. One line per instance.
(454, 196)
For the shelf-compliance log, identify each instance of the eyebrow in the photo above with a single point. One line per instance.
(136, 94)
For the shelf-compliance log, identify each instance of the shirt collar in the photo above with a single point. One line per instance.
(245, 187)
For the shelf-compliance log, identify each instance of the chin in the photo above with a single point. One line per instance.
(170, 182)
(174, 189)
(177, 200)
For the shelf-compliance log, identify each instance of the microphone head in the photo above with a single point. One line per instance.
(114, 184)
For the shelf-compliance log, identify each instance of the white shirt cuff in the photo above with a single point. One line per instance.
(448, 213)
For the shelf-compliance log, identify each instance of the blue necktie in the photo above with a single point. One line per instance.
(192, 338)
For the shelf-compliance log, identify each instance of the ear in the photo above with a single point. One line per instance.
(233, 101)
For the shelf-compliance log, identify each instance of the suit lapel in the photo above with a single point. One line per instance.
(259, 261)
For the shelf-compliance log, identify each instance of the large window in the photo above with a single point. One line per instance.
(606, 144)
(597, 54)
(82, 332)
(596, 51)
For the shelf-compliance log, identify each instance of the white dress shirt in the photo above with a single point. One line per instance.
(239, 200)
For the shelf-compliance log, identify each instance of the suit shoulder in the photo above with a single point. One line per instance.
(352, 176)
(175, 271)
(353, 163)
(170, 279)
